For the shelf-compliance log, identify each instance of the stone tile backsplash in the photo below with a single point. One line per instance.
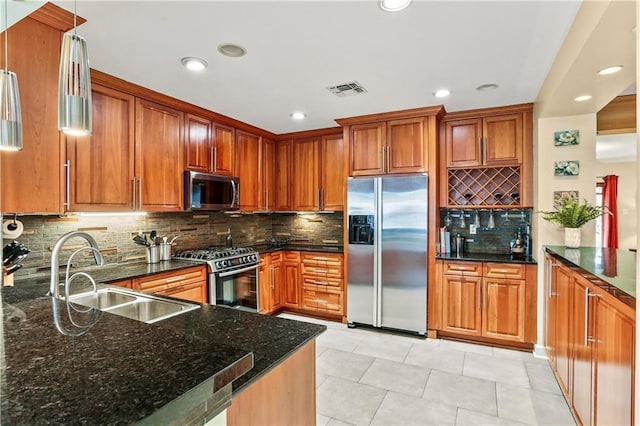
(486, 240)
(194, 230)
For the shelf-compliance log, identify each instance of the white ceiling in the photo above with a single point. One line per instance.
(297, 49)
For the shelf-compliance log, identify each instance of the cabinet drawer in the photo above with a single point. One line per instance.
(276, 256)
(322, 259)
(168, 280)
(322, 300)
(192, 292)
(470, 269)
(504, 270)
(334, 283)
(292, 255)
(321, 271)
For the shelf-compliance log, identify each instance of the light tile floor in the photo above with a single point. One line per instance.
(370, 377)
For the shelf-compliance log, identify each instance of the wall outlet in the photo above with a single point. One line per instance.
(472, 229)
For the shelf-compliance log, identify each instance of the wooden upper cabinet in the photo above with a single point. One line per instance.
(159, 162)
(283, 185)
(32, 179)
(367, 143)
(332, 179)
(462, 139)
(495, 140)
(266, 196)
(101, 166)
(306, 193)
(198, 147)
(248, 169)
(224, 149)
(503, 140)
(406, 146)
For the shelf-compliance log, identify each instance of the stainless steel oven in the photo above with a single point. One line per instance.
(233, 275)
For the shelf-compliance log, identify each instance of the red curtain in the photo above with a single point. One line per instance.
(610, 221)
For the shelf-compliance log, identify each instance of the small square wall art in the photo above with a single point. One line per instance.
(566, 137)
(560, 197)
(567, 168)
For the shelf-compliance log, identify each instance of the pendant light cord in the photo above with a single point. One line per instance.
(6, 37)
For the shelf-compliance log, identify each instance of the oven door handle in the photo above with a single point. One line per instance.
(236, 271)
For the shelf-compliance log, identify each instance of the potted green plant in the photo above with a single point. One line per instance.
(572, 216)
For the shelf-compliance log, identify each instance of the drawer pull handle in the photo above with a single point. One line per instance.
(322, 271)
(321, 282)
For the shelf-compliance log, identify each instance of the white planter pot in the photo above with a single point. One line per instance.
(572, 237)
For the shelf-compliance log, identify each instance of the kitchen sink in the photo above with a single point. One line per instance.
(130, 304)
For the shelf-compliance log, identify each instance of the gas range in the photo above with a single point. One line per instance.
(223, 260)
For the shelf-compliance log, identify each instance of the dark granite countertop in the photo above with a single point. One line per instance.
(121, 371)
(615, 267)
(488, 257)
(324, 248)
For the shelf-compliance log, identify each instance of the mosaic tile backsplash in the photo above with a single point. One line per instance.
(194, 230)
(487, 239)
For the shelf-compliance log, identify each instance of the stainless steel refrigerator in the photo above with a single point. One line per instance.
(387, 252)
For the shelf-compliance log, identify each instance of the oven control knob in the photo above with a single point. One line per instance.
(218, 264)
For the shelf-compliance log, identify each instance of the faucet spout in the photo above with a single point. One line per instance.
(54, 288)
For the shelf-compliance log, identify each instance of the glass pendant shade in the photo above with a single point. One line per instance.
(74, 87)
(10, 113)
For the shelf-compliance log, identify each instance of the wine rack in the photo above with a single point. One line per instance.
(486, 187)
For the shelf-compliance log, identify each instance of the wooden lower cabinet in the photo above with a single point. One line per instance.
(322, 279)
(270, 283)
(591, 345)
(291, 279)
(189, 284)
(284, 396)
(488, 300)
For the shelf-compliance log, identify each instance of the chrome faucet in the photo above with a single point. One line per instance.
(54, 289)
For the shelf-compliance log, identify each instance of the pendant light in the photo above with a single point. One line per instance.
(74, 85)
(10, 113)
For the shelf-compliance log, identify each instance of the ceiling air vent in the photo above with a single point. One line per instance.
(347, 89)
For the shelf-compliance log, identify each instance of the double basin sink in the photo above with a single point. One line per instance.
(133, 305)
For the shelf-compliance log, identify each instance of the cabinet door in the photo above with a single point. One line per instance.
(248, 167)
(267, 182)
(503, 140)
(282, 186)
(192, 292)
(198, 148)
(503, 309)
(264, 284)
(614, 347)
(332, 173)
(581, 348)
(461, 309)
(462, 142)
(305, 181)
(224, 149)
(562, 306)
(292, 284)
(406, 146)
(366, 145)
(101, 166)
(279, 285)
(159, 163)
(32, 179)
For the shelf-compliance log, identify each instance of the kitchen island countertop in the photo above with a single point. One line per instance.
(121, 371)
(615, 269)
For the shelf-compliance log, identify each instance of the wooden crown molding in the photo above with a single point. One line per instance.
(393, 115)
(56, 17)
(481, 112)
(329, 131)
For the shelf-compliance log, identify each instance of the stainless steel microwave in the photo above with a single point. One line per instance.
(204, 191)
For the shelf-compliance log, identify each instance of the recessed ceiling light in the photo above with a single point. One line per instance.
(194, 64)
(232, 50)
(610, 70)
(582, 98)
(485, 87)
(442, 93)
(393, 5)
(298, 115)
